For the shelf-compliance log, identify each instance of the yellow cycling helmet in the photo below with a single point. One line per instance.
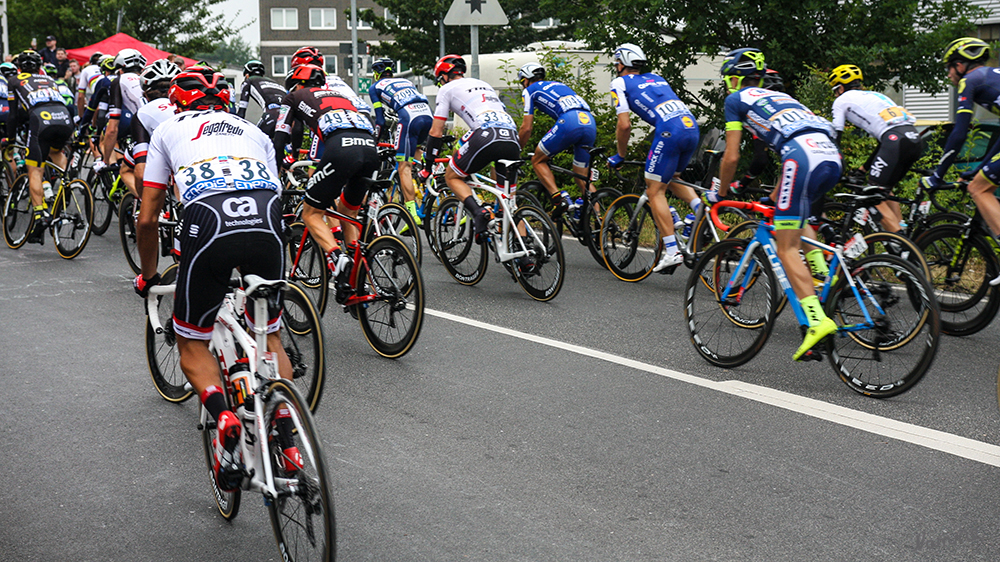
(966, 49)
(844, 75)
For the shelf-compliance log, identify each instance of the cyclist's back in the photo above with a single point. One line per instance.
(265, 92)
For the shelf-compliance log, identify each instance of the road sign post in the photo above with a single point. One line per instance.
(475, 13)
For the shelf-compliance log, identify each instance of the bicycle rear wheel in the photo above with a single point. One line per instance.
(72, 217)
(162, 356)
(592, 217)
(17, 214)
(104, 208)
(541, 273)
(961, 267)
(302, 514)
(630, 241)
(880, 243)
(731, 333)
(393, 219)
(891, 357)
(128, 214)
(391, 323)
(302, 339)
(310, 271)
(462, 257)
(227, 502)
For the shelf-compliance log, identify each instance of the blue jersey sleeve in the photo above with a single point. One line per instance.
(734, 112)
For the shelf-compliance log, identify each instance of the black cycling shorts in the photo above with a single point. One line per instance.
(49, 128)
(348, 158)
(483, 146)
(237, 229)
(898, 149)
(268, 121)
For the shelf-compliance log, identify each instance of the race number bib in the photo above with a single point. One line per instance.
(342, 119)
(223, 173)
(569, 103)
(895, 116)
(670, 109)
(493, 118)
(44, 95)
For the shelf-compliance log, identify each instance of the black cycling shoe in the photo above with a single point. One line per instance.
(481, 223)
(37, 235)
(559, 205)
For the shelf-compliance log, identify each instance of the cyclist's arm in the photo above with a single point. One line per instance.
(730, 158)
(241, 110)
(14, 117)
(524, 133)
(147, 235)
(954, 143)
(623, 132)
(282, 130)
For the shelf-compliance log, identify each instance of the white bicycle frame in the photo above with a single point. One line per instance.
(226, 333)
(687, 244)
(507, 204)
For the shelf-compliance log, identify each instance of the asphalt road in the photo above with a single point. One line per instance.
(582, 429)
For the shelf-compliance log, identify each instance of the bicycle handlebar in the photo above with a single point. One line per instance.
(290, 173)
(761, 208)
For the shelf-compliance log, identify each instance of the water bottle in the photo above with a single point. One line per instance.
(47, 188)
(239, 379)
(676, 217)
(688, 221)
(577, 207)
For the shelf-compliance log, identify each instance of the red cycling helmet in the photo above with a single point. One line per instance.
(307, 55)
(199, 82)
(306, 75)
(449, 64)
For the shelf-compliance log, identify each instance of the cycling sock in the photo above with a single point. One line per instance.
(411, 206)
(39, 208)
(817, 262)
(813, 309)
(471, 204)
(695, 204)
(214, 401)
(670, 245)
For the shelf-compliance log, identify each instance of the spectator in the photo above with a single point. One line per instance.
(72, 74)
(49, 52)
(62, 62)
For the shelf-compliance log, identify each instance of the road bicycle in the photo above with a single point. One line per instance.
(888, 319)
(169, 229)
(109, 191)
(70, 205)
(521, 236)
(276, 419)
(584, 218)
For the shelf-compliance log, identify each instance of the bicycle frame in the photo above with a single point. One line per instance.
(507, 219)
(687, 244)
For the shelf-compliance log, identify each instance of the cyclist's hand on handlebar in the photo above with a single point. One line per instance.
(4, 143)
(142, 285)
(423, 174)
(713, 196)
(99, 165)
(931, 182)
(615, 161)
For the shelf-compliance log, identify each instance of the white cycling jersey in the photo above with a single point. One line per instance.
(88, 78)
(475, 101)
(210, 152)
(337, 84)
(872, 111)
(131, 95)
(156, 112)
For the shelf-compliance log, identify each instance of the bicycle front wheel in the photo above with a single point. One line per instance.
(630, 241)
(17, 214)
(391, 323)
(890, 354)
(462, 257)
(162, 356)
(302, 515)
(880, 243)
(592, 217)
(128, 214)
(542, 271)
(728, 334)
(104, 208)
(302, 339)
(307, 266)
(72, 217)
(393, 219)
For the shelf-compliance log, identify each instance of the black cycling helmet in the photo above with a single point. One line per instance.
(308, 75)
(383, 68)
(95, 57)
(254, 68)
(28, 61)
(772, 81)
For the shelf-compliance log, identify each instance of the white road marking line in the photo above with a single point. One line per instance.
(925, 437)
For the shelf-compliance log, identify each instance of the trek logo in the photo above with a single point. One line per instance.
(239, 207)
(218, 128)
(357, 141)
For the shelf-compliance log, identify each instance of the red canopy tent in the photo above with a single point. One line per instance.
(117, 42)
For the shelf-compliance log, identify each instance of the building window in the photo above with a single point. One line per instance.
(362, 24)
(322, 18)
(280, 64)
(330, 65)
(989, 33)
(284, 18)
(546, 23)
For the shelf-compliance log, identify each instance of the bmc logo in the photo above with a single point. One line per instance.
(357, 141)
(239, 207)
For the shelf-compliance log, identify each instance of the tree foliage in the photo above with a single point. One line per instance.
(184, 27)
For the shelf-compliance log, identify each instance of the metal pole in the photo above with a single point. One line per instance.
(118, 27)
(440, 33)
(3, 21)
(354, 45)
(475, 52)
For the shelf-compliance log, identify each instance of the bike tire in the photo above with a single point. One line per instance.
(543, 273)
(429, 207)
(228, 502)
(968, 303)
(302, 514)
(891, 358)
(310, 271)
(18, 217)
(900, 246)
(104, 208)
(631, 246)
(592, 217)
(162, 355)
(393, 219)
(392, 322)
(72, 218)
(302, 339)
(128, 214)
(464, 260)
(702, 231)
(537, 195)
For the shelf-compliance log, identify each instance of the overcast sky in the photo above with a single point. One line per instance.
(248, 13)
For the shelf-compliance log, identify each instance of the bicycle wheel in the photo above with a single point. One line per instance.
(592, 217)
(961, 269)
(162, 356)
(535, 193)
(732, 217)
(891, 357)
(72, 217)
(302, 515)
(880, 243)
(728, 334)
(227, 502)
(302, 339)
(17, 214)
(630, 241)
(104, 208)
(393, 219)
(541, 273)
(128, 213)
(462, 257)
(391, 323)
(310, 270)
(429, 207)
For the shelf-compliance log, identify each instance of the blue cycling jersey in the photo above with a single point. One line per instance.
(650, 97)
(394, 93)
(4, 106)
(981, 86)
(553, 98)
(775, 117)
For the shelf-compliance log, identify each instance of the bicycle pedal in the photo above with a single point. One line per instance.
(812, 355)
(669, 270)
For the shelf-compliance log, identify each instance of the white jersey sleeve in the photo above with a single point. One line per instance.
(618, 99)
(475, 101)
(872, 111)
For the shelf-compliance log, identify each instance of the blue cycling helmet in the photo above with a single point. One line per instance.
(744, 62)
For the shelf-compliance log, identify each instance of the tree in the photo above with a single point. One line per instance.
(183, 27)
(233, 53)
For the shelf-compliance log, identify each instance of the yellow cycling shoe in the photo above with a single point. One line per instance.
(814, 335)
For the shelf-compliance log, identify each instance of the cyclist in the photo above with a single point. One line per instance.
(810, 166)
(574, 127)
(674, 142)
(33, 97)
(899, 142)
(8, 73)
(352, 156)
(977, 84)
(85, 82)
(224, 169)
(415, 121)
(492, 135)
(52, 72)
(155, 81)
(125, 99)
(266, 92)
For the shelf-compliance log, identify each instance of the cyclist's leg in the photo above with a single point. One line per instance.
(553, 142)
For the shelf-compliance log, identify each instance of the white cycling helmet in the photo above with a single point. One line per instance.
(157, 71)
(629, 55)
(130, 59)
(531, 70)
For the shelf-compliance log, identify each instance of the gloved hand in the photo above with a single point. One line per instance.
(423, 174)
(932, 181)
(99, 165)
(142, 285)
(615, 161)
(4, 143)
(712, 197)
(378, 133)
